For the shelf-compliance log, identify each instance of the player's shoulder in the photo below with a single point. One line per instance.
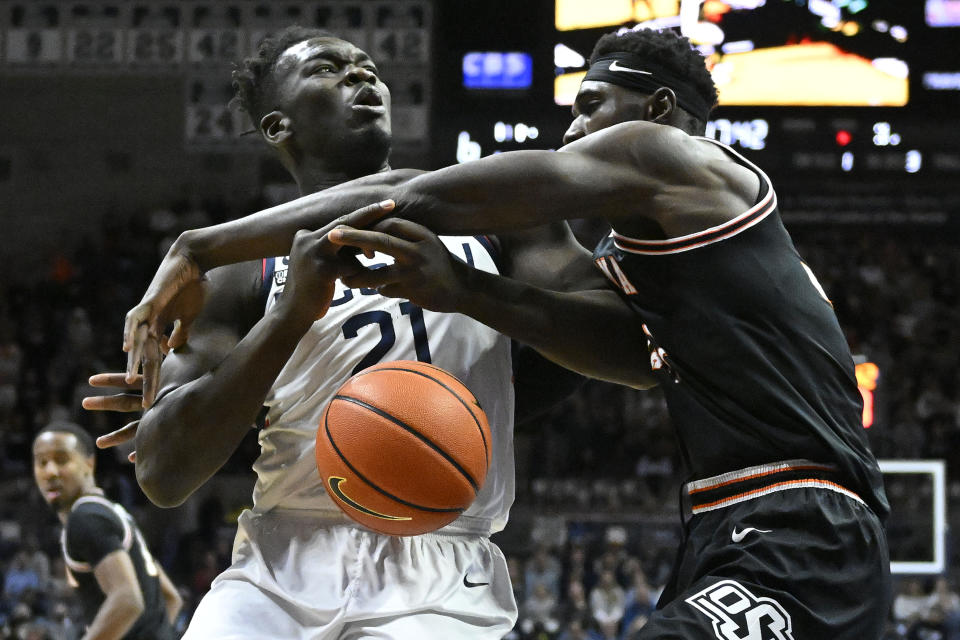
(630, 134)
(236, 280)
(652, 152)
(92, 511)
(234, 290)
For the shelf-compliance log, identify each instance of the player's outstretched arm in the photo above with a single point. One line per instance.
(593, 332)
(600, 175)
(604, 175)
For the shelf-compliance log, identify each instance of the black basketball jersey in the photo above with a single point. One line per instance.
(746, 347)
(95, 528)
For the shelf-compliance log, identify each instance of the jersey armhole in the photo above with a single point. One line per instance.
(267, 268)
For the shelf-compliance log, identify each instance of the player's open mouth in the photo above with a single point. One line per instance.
(369, 100)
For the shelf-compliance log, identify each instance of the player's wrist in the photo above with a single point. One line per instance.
(293, 314)
(461, 292)
(193, 245)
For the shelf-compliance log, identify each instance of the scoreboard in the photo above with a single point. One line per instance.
(844, 91)
(201, 41)
(867, 88)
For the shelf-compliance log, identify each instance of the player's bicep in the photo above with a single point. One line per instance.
(226, 316)
(115, 573)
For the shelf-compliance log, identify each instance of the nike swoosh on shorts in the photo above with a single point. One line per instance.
(469, 584)
(737, 536)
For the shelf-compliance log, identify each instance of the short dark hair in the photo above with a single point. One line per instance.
(668, 48)
(253, 81)
(84, 439)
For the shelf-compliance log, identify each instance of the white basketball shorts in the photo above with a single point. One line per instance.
(295, 577)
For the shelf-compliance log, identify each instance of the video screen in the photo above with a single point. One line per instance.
(769, 52)
(497, 70)
(943, 13)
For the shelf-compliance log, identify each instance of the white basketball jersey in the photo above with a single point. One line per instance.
(363, 328)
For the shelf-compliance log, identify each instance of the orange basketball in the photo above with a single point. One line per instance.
(403, 447)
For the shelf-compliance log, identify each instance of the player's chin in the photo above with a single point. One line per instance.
(370, 126)
(371, 144)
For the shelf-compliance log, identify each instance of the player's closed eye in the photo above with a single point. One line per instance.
(589, 107)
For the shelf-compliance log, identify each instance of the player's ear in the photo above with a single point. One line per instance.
(662, 105)
(276, 128)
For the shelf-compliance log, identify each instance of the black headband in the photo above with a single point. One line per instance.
(635, 72)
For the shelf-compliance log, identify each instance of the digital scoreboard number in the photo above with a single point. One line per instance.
(217, 46)
(150, 47)
(202, 40)
(32, 47)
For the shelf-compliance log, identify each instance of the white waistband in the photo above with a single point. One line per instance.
(755, 472)
(464, 525)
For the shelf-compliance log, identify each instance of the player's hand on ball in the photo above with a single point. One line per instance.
(423, 271)
(127, 402)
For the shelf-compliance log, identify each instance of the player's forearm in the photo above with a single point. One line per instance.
(507, 192)
(501, 193)
(117, 614)
(171, 597)
(270, 232)
(192, 431)
(591, 332)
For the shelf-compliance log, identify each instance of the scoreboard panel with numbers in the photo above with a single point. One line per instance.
(801, 140)
(201, 40)
(865, 88)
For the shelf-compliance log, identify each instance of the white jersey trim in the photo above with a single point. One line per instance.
(742, 222)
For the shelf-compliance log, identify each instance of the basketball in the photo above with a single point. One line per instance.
(403, 447)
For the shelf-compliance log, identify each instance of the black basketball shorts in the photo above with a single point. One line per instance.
(777, 552)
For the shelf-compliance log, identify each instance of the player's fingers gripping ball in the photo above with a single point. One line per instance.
(403, 447)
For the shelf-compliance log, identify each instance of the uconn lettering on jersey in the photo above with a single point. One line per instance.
(274, 272)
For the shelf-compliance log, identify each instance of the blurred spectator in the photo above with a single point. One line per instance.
(944, 606)
(204, 574)
(577, 605)
(910, 604)
(20, 577)
(576, 568)
(60, 625)
(614, 554)
(607, 603)
(541, 607)
(640, 600)
(36, 560)
(542, 569)
(580, 629)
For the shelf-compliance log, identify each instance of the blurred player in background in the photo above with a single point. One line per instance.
(301, 568)
(125, 593)
(784, 510)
